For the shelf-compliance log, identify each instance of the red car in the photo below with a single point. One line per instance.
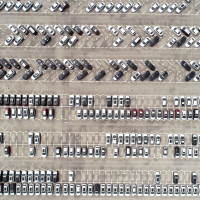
(177, 114)
(95, 30)
(7, 113)
(63, 6)
(141, 114)
(134, 113)
(7, 151)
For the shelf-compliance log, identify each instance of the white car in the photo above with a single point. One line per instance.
(10, 74)
(145, 42)
(36, 75)
(163, 8)
(194, 31)
(9, 6)
(41, 29)
(118, 7)
(158, 31)
(154, 7)
(172, 42)
(73, 41)
(13, 29)
(18, 6)
(27, 6)
(100, 7)
(176, 31)
(164, 101)
(149, 30)
(55, 6)
(64, 40)
(9, 40)
(172, 7)
(109, 7)
(180, 8)
(136, 42)
(86, 30)
(90, 7)
(113, 30)
(131, 30)
(58, 29)
(197, 44)
(189, 43)
(122, 64)
(122, 30)
(127, 7)
(36, 6)
(135, 77)
(136, 7)
(50, 30)
(117, 42)
(18, 40)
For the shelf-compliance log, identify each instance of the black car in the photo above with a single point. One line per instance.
(194, 139)
(163, 76)
(12, 188)
(87, 64)
(77, 29)
(176, 152)
(193, 178)
(13, 100)
(63, 6)
(28, 74)
(154, 76)
(95, 30)
(145, 76)
(5, 63)
(181, 41)
(2, 73)
(14, 63)
(82, 75)
(132, 65)
(68, 30)
(109, 101)
(118, 75)
(50, 64)
(60, 64)
(42, 64)
(150, 65)
(64, 74)
(114, 64)
(1, 99)
(175, 178)
(97, 189)
(46, 40)
(78, 64)
(190, 76)
(153, 42)
(100, 75)
(185, 65)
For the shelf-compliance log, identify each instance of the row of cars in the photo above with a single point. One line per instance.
(35, 6)
(97, 151)
(184, 152)
(30, 176)
(182, 101)
(137, 114)
(20, 113)
(48, 32)
(124, 8)
(133, 139)
(29, 100)
(109, 189)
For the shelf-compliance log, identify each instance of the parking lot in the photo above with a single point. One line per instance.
(65, 130)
